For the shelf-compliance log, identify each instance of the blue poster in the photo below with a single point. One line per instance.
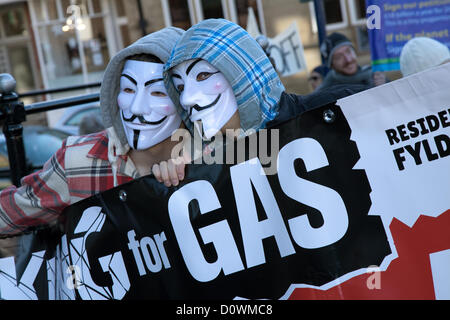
(400, 21)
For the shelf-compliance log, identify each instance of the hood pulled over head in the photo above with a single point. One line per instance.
(242, 61)
(159, 44)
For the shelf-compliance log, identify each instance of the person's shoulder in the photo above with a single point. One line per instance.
(289, 106)
(79, 149)
(329, 79)
(93, 138)
(332, 93)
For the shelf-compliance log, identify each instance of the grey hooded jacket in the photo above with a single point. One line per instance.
(158, 43)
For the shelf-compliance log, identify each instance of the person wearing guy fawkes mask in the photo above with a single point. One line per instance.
(147, 114)
(139, 118)
(220, 78)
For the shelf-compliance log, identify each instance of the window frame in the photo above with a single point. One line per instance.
(45, 22)
(259, 12)
(353, 15)
(166, 12)
(330, 26)
(228, 8)
(199, 10)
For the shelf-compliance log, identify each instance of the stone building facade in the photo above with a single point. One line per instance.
(56, 43)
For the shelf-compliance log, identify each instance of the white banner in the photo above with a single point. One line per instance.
(286, 48)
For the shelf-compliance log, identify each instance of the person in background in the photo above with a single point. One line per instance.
(341, 58)
(139, 117)
(422, 53)
(316, 76)
(90, 123)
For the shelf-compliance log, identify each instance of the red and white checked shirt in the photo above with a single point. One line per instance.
(78, 170)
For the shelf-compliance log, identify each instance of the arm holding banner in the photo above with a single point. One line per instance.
(172, 171)
(38, 201)
(379, 78)
(131, 95)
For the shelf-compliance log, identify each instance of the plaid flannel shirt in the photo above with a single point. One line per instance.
(78, 170)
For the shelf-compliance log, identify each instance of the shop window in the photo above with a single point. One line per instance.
(73, 48)
(75, 56)
(335, 14)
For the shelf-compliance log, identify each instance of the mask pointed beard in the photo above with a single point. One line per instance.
(198, 125)
(136, 138)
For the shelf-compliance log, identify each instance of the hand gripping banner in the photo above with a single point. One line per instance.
(357, 208)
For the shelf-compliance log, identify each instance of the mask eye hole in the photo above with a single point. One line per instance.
(128, 90)
(205, 75)
(158, 94)
(180, 87)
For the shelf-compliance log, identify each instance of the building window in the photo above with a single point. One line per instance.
(335, 14)
(206, 9)
(13, 22)
(239, 12)
(178, 13)
(211, 9)
(16, 49)
(242, 7)
(185, 13)
(357, 11)
(72, 40)
(120, 22)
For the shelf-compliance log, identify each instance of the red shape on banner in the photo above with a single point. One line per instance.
(407, 277)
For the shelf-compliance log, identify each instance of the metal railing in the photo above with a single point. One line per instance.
(13, 113)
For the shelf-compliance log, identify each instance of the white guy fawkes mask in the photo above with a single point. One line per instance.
(148, 115)
(205, 94)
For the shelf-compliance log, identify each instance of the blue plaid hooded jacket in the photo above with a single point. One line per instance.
(242, 61)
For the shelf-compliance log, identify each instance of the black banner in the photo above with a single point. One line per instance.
(228, 230)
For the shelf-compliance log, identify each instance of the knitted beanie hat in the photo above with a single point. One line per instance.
(331, 43)
(422, 53)
(322, 70)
